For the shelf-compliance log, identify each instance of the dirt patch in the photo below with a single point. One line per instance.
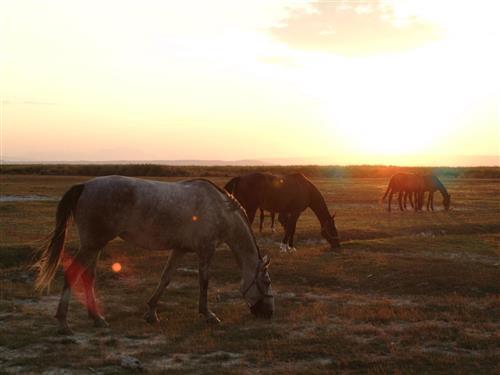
(189, 361)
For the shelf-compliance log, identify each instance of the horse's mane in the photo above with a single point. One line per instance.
(310, 184)
(233, 205)
(231, 185)
(318, 205)
(440, 185)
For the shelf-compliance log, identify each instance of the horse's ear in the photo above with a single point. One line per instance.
(333, 215)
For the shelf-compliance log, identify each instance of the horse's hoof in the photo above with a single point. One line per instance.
(65, 330)
(151, 318)
(211, 318)
(100, 322)
(283, 248)
(292, 249)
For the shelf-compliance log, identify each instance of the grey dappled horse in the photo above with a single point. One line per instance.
(189, 216)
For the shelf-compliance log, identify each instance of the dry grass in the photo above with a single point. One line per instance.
(410, 293)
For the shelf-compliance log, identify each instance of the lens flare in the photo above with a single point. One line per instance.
(194, 218)
(116, 267)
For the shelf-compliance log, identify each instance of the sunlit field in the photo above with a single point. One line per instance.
(409, 292)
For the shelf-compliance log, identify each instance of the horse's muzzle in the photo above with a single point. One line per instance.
(335, 243)
(264, 308)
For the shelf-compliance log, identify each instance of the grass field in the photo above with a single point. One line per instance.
(409, 293)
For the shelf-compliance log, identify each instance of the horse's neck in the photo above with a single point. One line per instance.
(240, 239)
(318, 204)
(439, 185)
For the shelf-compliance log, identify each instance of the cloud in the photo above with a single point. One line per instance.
(354, 28)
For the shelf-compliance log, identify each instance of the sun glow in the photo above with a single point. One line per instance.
(412, 103)
(266, 80)
(116, 267)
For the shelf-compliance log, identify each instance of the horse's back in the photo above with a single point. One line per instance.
(431, 182)
(289, 193)
(273, 193)
(149, 213)
(406, 182)
(250, 187)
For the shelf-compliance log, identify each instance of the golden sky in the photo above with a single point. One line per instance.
(395, 82)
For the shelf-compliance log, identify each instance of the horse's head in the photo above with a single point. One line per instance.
(446, 202)
(258, 292)
(329, 232)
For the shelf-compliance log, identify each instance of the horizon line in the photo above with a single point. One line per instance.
(227, 163)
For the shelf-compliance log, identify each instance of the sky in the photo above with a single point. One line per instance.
(330, 82)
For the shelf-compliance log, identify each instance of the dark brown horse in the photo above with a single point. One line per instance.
(408, 196)
(289, 195)
(431, 185)
(262, 216)
(405, 183)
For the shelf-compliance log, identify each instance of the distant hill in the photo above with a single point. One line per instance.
(403, 160)
(156, 162)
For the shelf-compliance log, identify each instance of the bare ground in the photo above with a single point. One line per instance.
(409, 293)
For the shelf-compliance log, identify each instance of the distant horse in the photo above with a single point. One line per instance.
(289, 195)
(403, 183)
(408, 196)
(431, 185)
(189, 216)
(261, 223)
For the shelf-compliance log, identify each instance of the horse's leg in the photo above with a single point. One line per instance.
(292, 220)
(400, 196)
(410, 195)
(389, 201)
(282, 219)
(428, 201)
(261, 220)
(405, 199)
(204, 259)
(285, 221)
(89, 281)
(71, 275)
(173, 261)
(432, 200)
(251, 210)
(273, 215)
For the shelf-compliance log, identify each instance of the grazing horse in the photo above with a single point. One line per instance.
(188, 216)
(261, 223)
(403, 183)
(289, 195)
(431, 184)
(231, 186)
(408, 196)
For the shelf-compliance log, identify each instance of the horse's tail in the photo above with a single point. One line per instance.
(231, 185)
(389, 187)
(53, 250)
